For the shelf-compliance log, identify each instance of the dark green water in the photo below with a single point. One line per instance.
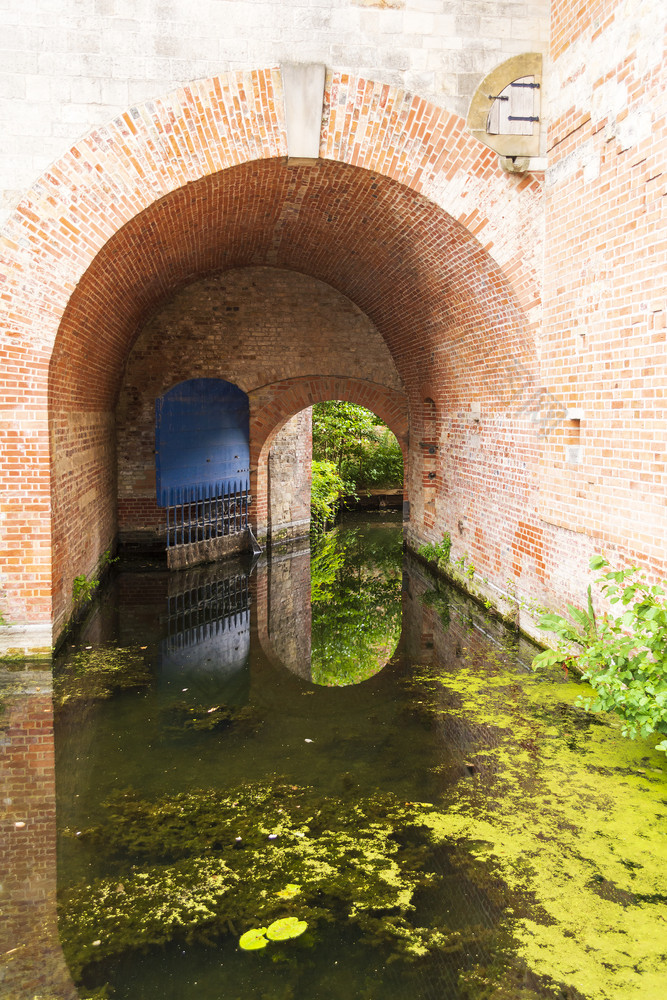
(232, 750)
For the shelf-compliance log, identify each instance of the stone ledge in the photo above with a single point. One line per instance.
(33, 640)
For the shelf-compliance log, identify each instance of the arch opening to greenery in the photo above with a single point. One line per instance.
(354, 454)
(355, 566)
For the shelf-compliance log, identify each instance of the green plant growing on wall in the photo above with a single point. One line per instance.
(83, 586)
(623, 657)
(437, 553)
(465, 568)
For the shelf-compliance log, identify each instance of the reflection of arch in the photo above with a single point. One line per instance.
(282, 611)
(284, 616)
(189, 185)
(271, 407)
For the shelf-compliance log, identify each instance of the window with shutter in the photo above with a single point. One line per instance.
(516, 110)
(505, 109)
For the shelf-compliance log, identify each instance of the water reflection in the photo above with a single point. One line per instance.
(356, 604)
(452, 828)
(333, 615)
(31, 960)
(208, 624)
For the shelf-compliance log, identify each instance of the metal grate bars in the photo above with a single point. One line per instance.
(207, 610)
(193, 516)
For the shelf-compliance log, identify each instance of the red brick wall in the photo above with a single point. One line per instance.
(83, 449)
(605, 320)
(252, 327)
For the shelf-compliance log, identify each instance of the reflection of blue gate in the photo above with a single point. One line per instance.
(202, 460)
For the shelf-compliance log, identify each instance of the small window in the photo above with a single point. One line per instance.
(515, 111)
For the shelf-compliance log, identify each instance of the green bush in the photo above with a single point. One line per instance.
(623, 657)
(363, 450)
(437, 553)
(326, 489)
(378, 462)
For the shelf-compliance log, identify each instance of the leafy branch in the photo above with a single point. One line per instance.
(623, 656)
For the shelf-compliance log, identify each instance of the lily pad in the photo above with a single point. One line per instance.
(283, 930)
(290, 891)
(253, 939)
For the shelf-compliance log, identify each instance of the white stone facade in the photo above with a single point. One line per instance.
(68, 65)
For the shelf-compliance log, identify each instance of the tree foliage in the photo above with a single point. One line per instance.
(363, 450)
(327, 488)
(623, 656)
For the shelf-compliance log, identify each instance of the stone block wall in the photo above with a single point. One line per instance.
(289, 479)
(69, 66)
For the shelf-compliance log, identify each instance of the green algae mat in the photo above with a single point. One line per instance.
(453, 826)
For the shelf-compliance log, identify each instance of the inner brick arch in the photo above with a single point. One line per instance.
(273, 405)
(403, 213)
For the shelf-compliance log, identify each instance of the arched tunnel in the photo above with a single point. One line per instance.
(421, 312)
(369, 274)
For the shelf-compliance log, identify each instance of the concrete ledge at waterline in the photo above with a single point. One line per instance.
(32, 641)
(210, 550)
(508, 607)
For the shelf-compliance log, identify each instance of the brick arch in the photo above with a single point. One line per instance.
(271, 406)
(196, 182)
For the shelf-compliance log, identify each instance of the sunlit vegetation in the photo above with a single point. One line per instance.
(353, 451)
(327, 490)
(622, 654)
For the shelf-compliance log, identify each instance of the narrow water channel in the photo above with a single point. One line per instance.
(353, 761)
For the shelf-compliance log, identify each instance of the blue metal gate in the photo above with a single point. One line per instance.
(202, 460)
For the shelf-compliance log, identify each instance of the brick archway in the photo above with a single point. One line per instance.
(272, 406)
(134, 210)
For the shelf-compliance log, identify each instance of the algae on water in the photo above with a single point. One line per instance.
(181, 718)
(568, 819)
(553, 834)
(94, 674)
(269, 855)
